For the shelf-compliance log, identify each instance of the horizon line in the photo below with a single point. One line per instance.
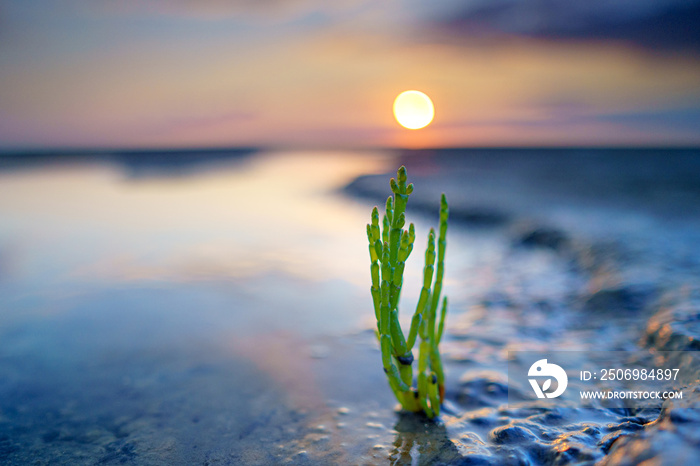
(145, 150)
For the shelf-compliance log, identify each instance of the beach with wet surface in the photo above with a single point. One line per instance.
(216, 309)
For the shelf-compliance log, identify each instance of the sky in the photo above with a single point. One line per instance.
(304, 73)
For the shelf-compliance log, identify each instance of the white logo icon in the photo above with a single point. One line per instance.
(542, 369)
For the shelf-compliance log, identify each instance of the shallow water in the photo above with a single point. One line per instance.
(219, 313)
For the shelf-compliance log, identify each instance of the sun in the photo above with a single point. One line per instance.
(413, 109)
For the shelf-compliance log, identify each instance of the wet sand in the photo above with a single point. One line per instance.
(220, 316)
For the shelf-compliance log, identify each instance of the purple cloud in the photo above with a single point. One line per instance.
(656, 25)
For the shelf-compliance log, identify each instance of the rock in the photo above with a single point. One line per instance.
(370, 187)
(676, 327)
(511, 434)
(673, 439)
(483, 388)
(628, 298)
(543, 237)
(478, 215)
(427, 202)
(497, 299)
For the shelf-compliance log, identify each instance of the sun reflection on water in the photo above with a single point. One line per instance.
(276, 212)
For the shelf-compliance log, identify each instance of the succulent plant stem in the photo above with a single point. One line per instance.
(389, 247)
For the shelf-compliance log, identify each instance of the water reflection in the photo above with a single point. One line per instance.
(168, 319)
(419, 441)
(272, 214)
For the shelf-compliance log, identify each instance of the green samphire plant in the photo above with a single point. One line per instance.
(389, 248)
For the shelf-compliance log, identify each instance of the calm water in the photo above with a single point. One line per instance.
(217, 312)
